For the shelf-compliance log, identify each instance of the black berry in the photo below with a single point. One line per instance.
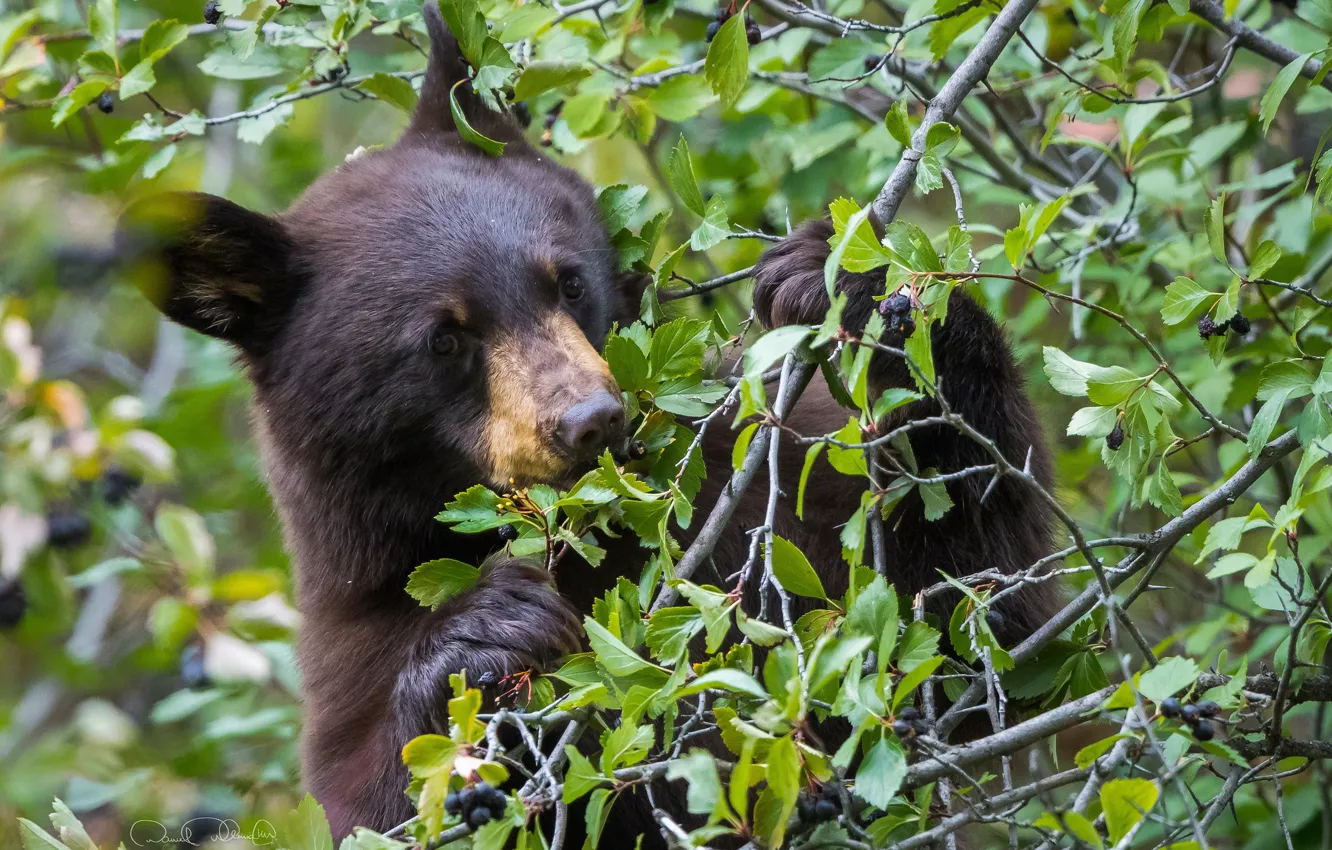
(906, 326)
(902, 729)
(192, 671)
(909, 713)
(637, 450)
(1169, 707)
(805, 808)
(996, 620)
(721, 15)
(106, 103)
(553, 114)
(1239, 323)
(831, 791)
(67, 529)
(825, 810)
(1190, 714)
(872, 62)
(212, 14)
(13, 604)
(1204, 731)
(1207, 708)
(753, 34)
(920, 727)
(1115, 438)
(118, 484)
(453, 804)
(1208, 328)
(487, 678)
(479, 817)
(507, 532)
(897, 304)
(713, 28)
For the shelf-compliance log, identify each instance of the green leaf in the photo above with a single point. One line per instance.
(699, 769)
(669, 631)
(863, 250)
(793, 570)
(934, 497)
(468, 25)
(80, 96)
(1067, 376)
(1182, 297)
(1276, 90)
(1125, 29)
(618, 659)
(307, 827)
(881, 774)
(1168, 678)
(1264, 257)
(436, 582)
(680, 98)
(1125, 802)
(188, 540)
(36, 838)
(680, 171)
(1071, 823)
(1110, 386)
(69, 828)
(773, 346)
(899, 125)
(542, 76)
(727, 64)
(581, 776)
(1093, 422)
(715, 227)
(850, 234)
(678, 347)
(392, 90)
(1214, 221)
(725, 679)
(465, 130)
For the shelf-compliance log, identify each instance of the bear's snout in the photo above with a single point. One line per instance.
(589, 426)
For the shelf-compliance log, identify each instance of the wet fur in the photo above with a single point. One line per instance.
(365, 437)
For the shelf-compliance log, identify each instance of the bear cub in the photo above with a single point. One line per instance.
(426, 318)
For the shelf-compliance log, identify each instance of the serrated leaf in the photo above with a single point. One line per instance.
(435, 582)
(466, 131)
(1182, 297)
(793, 570)
(727, 64)
(1276, 90)
(1125, 802)
(881, 774)
(542, 76)
(392, 90)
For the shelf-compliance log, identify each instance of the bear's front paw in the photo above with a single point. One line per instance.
(789, 287)
(512, 621)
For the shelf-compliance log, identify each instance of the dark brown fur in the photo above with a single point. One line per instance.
(366, 434)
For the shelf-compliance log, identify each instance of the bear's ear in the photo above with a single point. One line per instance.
(445, 68)
(210, 265)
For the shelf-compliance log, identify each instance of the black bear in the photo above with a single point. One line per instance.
(427, 318)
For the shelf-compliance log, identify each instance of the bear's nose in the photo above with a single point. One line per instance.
(589, 426)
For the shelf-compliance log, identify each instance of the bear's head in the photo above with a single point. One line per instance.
(425, 310)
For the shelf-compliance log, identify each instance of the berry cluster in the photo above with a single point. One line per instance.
(896, 309)
(1238, 323)
(909, 724)
(1115, 438)
(1197, 715)
(478, 805)
(825, 807)
(752, 32)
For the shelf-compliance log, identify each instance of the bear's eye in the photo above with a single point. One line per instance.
(571, 287)
(446, 342)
